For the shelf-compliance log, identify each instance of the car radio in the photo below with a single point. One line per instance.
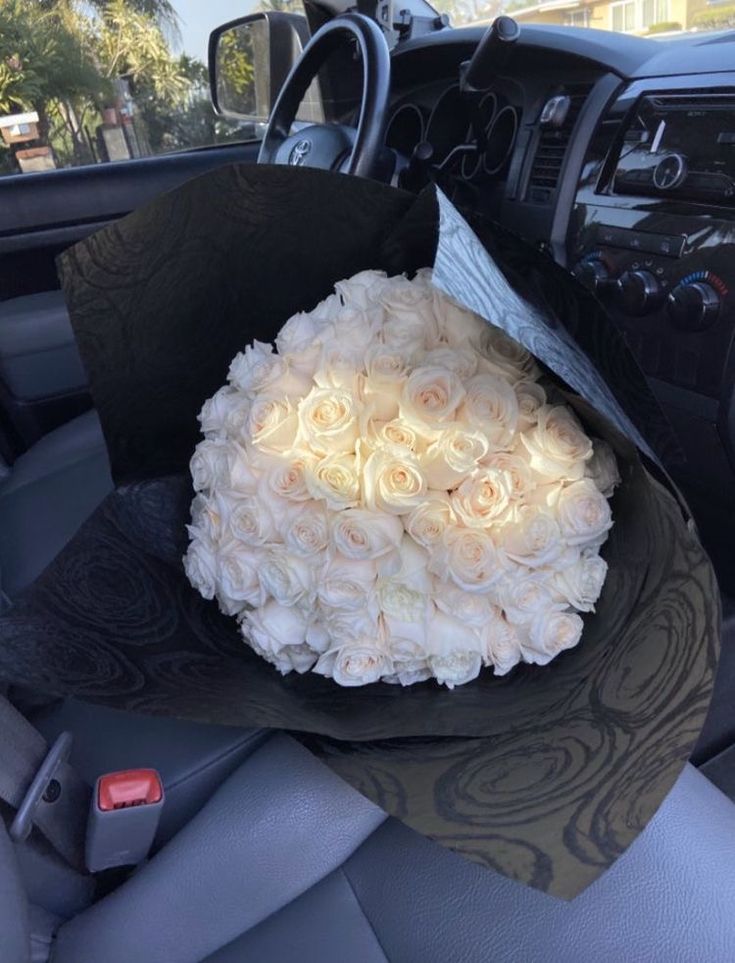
(679, 145)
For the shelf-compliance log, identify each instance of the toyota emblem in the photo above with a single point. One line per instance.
(298, 154)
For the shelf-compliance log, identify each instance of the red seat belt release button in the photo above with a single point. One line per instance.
(123, 818)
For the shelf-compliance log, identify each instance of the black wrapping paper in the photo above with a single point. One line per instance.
(546, 774)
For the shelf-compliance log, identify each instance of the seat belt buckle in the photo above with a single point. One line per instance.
(123, 818)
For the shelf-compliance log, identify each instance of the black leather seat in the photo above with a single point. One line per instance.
(50, 491)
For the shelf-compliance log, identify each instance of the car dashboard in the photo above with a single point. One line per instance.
(616, 155)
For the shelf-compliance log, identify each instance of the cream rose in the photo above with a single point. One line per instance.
(405, 595)
(328, 420)
(491, 406)
(363, 290)
(482, 499)
(469, 558)
(557, 445)
(602, 468)
(346, 583)
(533, 539)
(469, 607)
(409, 314)
(531, 397)
(431, 397)
(407, 643)
(272, 423)
(285, 576)
(583, 513)
(505, 356)
(277, 632)
(522, 597)
(206, 517)
(392, 481)
(428, 521)
(580, 584)
(455, 650)
(517, 473)
(454, 455)
(305, 529)
(226, 412)
(237, 578)
(550, 633)
(248, 520)
(335, 479)
(258, 368)
(398, 435)
(386, 372)
(210, 466)
(358, 655)
(361, 535)
(501, 644)
(286, 477)
(462, 360)
(200, 565)
(458, 327)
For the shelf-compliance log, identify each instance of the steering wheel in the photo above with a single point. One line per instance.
(333, 146)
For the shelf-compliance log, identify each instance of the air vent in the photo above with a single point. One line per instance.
(551, 149)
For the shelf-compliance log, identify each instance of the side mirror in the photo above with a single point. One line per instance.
(249, 60)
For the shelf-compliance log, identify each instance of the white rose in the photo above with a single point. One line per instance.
(431, 397)
(461, 359)
(206, 517)
(272, 423)
(286, 477)
(386, 372)
(226, 412)
(244, 475)
(326, 311)
(405, 302)
(362, 535)
(516, 470)
(470, 559)
(501, 643)
(531, 397)
(237, 578)
(522, 597)
(248, 519)
(201, 567)
(258, 368)
(458, 327)
(583, 513)
(533, 539)
(305, 528)
(482, 499)
(557, 445)
(358, 655)
(277, 634)
(335, 479)
(346, 583)
(297, 335)
(468, 607)
(550, 633)
(285, 576)
(392, 481)
(404, 595)
(580, 584)
(406, 643)
(428, 521)
(210, 465)
(355, 327)
(328, 420)
(602, 468)
(505, 356)
(455, 650)
(491, 406)
(397, 434)
(452, 457)
(362, 290)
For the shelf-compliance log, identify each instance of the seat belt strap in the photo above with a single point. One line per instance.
(41, 786)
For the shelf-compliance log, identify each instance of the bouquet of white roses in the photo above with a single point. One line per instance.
(394, 495)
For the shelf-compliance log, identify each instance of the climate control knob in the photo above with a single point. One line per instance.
(638, 292)
(593, 274)
(693, 306)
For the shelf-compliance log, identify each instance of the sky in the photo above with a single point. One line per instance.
(199, 17)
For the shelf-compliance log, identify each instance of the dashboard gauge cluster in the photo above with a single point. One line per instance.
(470, 141)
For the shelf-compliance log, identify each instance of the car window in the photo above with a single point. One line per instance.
(95, 81)
(658, 19)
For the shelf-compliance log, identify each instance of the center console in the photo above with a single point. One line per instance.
(652, 234)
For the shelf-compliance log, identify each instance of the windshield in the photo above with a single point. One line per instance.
(658, 19)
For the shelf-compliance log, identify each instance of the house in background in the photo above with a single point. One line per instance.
(639, 17)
